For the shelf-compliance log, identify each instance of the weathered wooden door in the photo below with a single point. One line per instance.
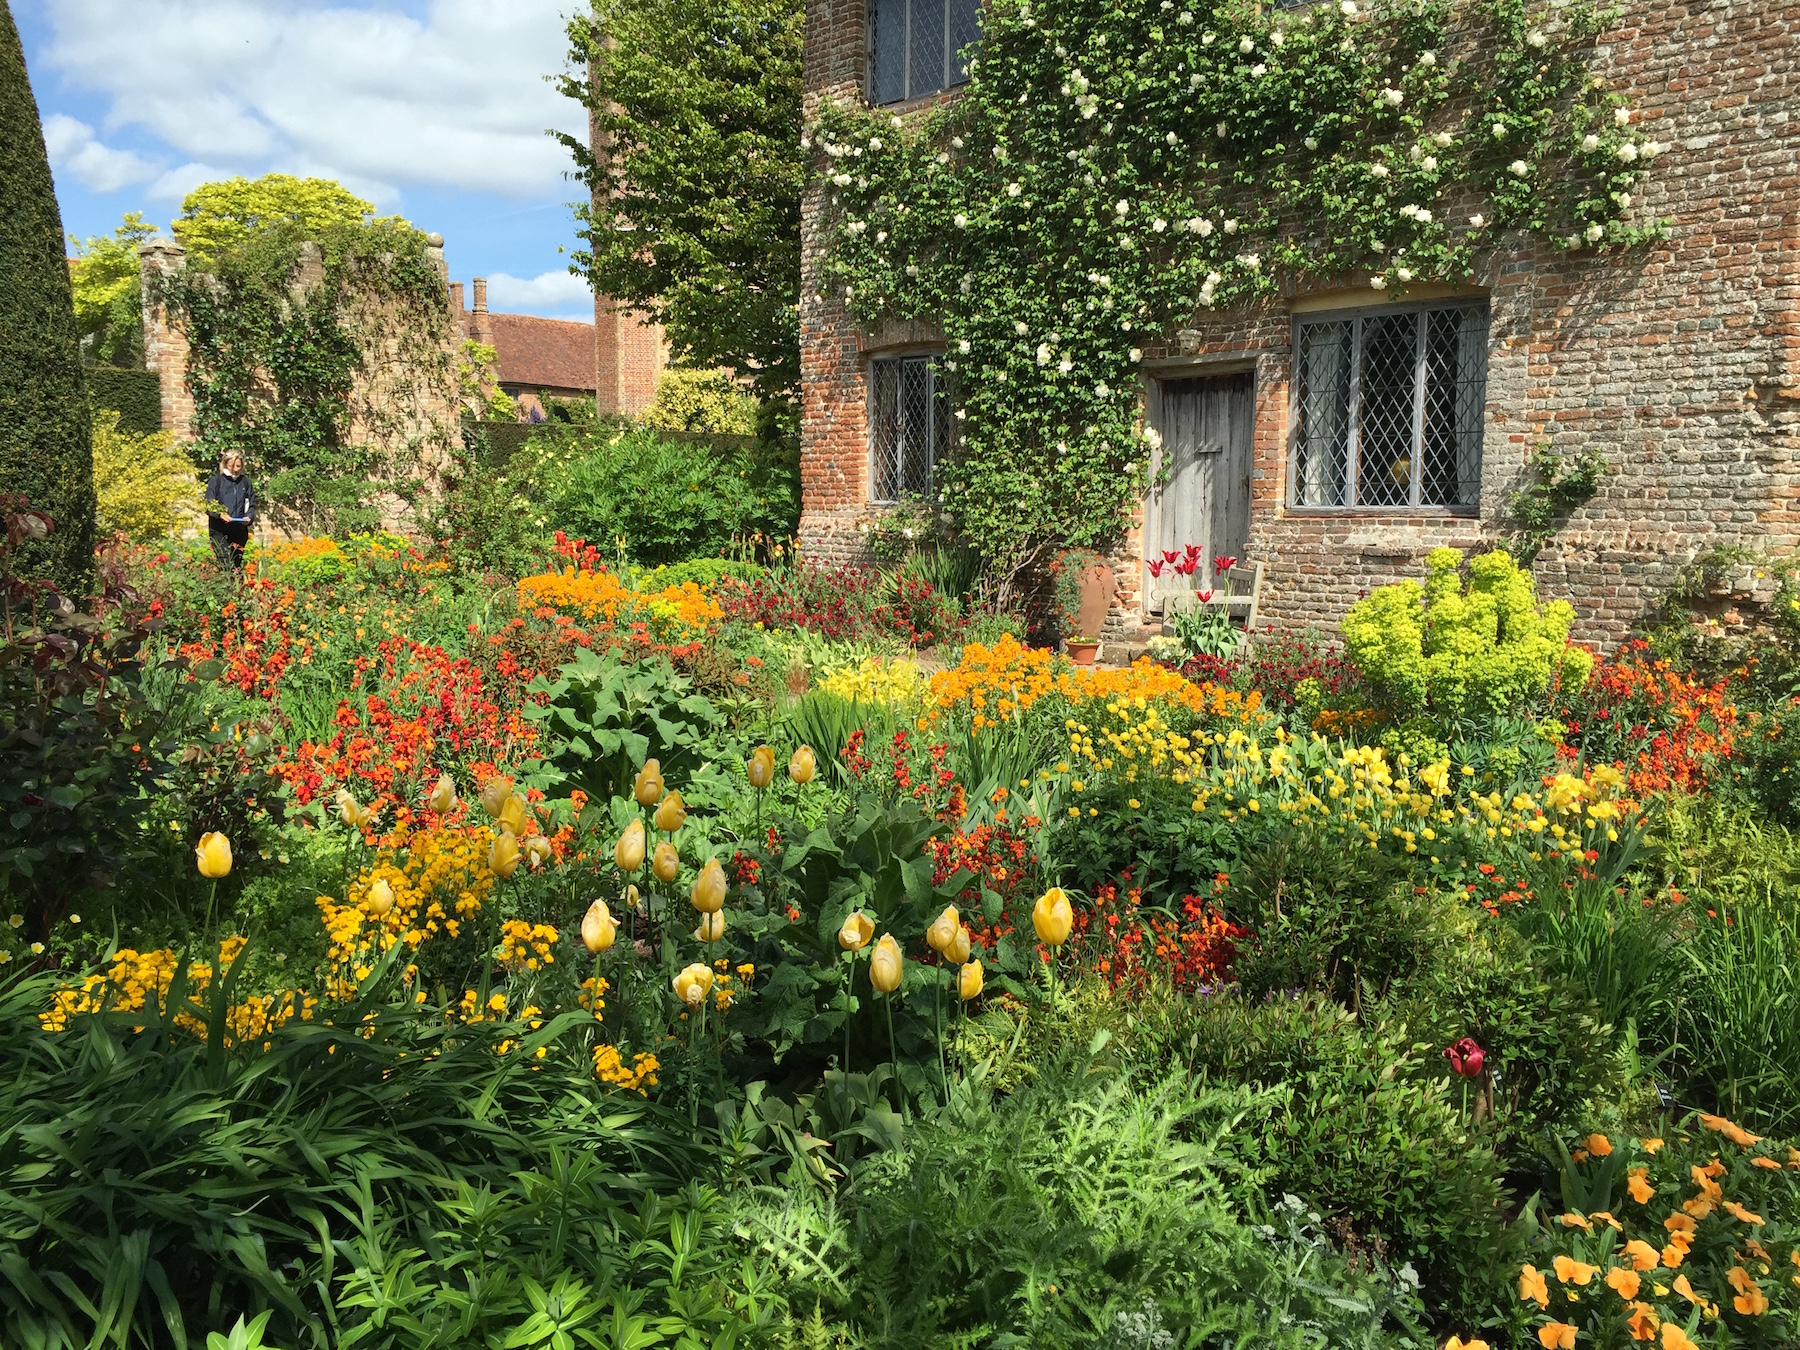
(1207, 425)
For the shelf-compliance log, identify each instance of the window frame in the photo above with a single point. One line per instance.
(870, 8)
(1355, 314)
(940, 389)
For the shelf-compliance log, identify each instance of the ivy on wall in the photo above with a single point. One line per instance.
(1113, 170)
(275, 366)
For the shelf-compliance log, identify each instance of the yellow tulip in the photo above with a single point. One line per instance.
(380, 899)
(494, 793)
(708, 895)
(803, 765)
(887, 965)
(958, 950)
(942, 931)
(761, 767)
(857, 930)
(968, 981)
(213, 855)
(628, 853)
(666, 862)
(711, 929)
(503, 855)
(443, 796)
(671, 814)
(538, 850)
(1052, 917)
(512, 814)
(348, 810)
(693, 984)
(647, 787)
(597, 928)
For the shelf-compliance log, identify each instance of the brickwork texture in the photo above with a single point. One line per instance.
(1679, 362)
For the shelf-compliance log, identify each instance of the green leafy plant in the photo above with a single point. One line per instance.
(145, 487)
(1562, 483)
(1484, 652)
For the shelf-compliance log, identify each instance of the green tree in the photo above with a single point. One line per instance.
(109, 306)
(696, 104)
(144, 483)
(44, 449)
(218, 218)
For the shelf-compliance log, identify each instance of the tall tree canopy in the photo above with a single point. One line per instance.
(695, 106)
(44, 429)
(109, 308)
(219, 217)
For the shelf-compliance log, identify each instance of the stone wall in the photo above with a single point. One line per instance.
(1679, 361)
(403, 403)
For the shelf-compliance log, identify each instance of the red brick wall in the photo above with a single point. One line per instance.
(1680, 361)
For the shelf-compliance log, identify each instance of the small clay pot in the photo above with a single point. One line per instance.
(1083, 651)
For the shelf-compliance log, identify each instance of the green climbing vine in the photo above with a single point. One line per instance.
(326, 389)
(1559, 485)
(1114, 170)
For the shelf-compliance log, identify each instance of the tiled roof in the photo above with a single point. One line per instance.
(543, 353)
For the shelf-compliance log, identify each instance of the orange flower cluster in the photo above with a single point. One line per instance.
(1661, 726)
(993, 683)
(600, 595)
(1125, 944)
(1629, 1274)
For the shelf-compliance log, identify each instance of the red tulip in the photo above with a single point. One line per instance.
(1169, 557)
(1224, 563)
(1204, 597)
(1156, 568)
(1186, 567)
(1192, 551)
(1465, 1057)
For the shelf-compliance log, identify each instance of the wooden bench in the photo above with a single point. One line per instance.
(1244, 584)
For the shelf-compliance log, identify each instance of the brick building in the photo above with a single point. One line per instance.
(1679, 361)
(615, 360)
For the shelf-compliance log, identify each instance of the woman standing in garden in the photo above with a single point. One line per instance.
(230, 507)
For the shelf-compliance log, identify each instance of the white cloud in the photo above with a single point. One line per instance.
(372, 96)
(548, 291)
(178, 182)
(74, 149)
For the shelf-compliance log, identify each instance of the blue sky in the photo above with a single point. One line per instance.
(434, 109)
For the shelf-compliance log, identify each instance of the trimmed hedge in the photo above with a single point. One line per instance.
(45, 451)
(136, 395)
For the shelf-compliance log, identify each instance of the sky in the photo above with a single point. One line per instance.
(433, 109)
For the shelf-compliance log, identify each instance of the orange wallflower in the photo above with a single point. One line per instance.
(1532, 1286)
(1750, 1300)
(1674, 1338)
(1741, 1214)
(1598, 1145)
(1623, 1282)
(1641, 1190)
(1643, 1322)
(1643, 1255)
(1571, 1271)
(1736, 1133)
(1556, 1336)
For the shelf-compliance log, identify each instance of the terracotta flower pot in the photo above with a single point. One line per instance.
(1083, 651)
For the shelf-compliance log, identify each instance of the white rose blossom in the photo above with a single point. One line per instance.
(1590, 143)
(1185, 19)
(1231, 227)
(1378, 283)
(1621, 117)
(1246, 46)
(1258, 70)
(1405, 274)
(1537, 39)
(1278, 38)
(1159, 225)
(1478, 220)
(1499, 130)
(1378, 171)
(1594, 234)
(962, 221)
(1065, 365)
(1393, 97)
(1020, 329)
(1044, 354)
(1311, 142)
(1428, 59)
(962, 346)
(1627, 152)
(1195, 80)
(1102, 391)
(1136, 355)
(1013, 189)
(1518, 168)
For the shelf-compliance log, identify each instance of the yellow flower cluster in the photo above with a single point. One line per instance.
(437, 883)
(1134, 738)
(993, 684)
(473, 1010)
(526, 946)
(610, 1067)
(593, 995)
(1622, 1271)
(600, 595)
(1356, 792)
(135, 980)
(891, 683)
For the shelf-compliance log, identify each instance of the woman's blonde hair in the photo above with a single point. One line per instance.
(226, 459)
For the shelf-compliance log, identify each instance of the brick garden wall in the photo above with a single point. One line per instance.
(1680, 361)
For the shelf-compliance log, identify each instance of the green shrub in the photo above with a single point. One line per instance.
(1365, 1129)
(142, 483)
(135, 394)
(1482, 653)
(703, 572)
(667, 500)
(706, 401)
(45, 453)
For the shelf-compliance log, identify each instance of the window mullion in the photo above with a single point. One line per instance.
(1415, 489)
(1354, 454)
(906, 57)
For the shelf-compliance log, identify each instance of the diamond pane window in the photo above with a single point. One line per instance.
(1388, 408)
(909, 425)
(916, 47)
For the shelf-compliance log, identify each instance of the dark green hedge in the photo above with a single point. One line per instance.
(44, 428)
(135, 395)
